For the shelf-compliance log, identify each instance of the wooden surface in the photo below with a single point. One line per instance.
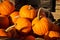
(57, 13)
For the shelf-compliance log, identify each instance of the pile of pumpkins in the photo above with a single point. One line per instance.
(26, 22)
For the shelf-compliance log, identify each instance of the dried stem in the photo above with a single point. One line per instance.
(29, 7)
(40, 13)
(9, 28)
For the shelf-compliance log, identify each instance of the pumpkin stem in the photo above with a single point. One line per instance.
(40, 13)
(30, 7)
(9, 28)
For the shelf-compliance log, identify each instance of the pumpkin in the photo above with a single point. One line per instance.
(14, 16)
(53, 34)
(30, 37)
(4, 22)
(41, 24)
(23, 25)
(3, 33)
(27, 11)
(6, 8)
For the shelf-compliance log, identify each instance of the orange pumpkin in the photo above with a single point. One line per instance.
(30, 37)
(14, 16)
(23, 25)
(2, 32)
(40, 24)
(53, 34)
(4, 22)
(27, 11)
(6, 8)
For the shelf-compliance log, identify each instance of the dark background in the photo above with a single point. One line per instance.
(35, 3)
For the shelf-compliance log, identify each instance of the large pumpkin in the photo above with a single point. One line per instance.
(4, 22)
(6, 8)
(14, 16)
(27, 11)
(23, 25)
(41, 24)
(53, 34)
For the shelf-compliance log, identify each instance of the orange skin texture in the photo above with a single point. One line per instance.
(54, 34)
(6, 8)
(35, 20)
(40, 27)
(4, 22)
(23, 25)
(13, 16)
(26, 12)
(2, 32)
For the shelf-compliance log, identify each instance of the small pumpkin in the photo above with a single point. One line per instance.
(4, 22)
(14, 16)
(3, 33)
(41, 24)
(53, 34)
(6, 8)
(27, 11)
(23, 25)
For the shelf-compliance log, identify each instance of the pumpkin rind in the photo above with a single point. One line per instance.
(54, 34)
(23, 24)
(14, 16)
(6, 8)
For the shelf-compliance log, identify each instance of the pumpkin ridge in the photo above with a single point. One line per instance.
(10, 5)
(5, 9)
(1, 8)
